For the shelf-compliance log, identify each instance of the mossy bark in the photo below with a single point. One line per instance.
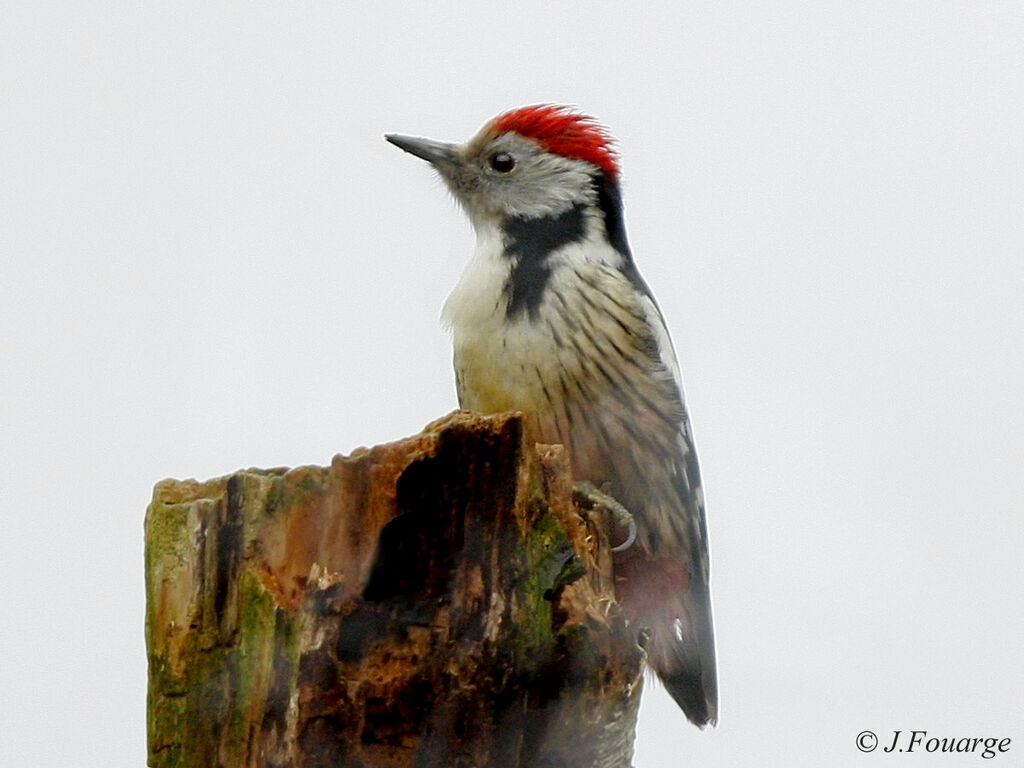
(438, 601)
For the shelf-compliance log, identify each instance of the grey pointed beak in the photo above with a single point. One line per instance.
(437, 153)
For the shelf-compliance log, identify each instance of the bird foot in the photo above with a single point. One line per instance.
(588, 495)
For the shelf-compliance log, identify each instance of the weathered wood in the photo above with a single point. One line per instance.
(438, 601)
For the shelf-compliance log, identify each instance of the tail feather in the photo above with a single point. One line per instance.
(660, 596)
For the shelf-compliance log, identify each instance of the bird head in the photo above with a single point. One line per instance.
(533, 162)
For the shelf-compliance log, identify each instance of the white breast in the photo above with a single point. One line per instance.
(492, 353)
(518, 363)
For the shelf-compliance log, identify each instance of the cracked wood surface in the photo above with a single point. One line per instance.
(437, 601)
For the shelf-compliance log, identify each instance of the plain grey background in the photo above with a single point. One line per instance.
(210, 259)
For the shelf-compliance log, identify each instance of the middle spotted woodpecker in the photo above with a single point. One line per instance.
(552, 318)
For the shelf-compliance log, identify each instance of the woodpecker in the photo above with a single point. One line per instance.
(552, 318)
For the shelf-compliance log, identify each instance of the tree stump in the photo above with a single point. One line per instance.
(437, 601)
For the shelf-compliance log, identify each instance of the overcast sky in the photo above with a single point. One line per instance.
(210, 259)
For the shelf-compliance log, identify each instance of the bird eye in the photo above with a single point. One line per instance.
(502, 162)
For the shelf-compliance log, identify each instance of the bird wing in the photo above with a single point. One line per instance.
(685, 659)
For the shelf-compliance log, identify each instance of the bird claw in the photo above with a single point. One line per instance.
(588, 494)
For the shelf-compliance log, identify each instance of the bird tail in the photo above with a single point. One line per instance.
(674, 607)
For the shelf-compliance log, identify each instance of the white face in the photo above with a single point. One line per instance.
(507, 175)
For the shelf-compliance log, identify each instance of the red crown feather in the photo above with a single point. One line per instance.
(564, 132)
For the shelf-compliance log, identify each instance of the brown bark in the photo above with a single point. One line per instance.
(438, 601)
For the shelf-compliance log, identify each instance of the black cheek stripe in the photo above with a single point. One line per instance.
(530, 243)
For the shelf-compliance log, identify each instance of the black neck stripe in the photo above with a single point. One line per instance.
(529, 244)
